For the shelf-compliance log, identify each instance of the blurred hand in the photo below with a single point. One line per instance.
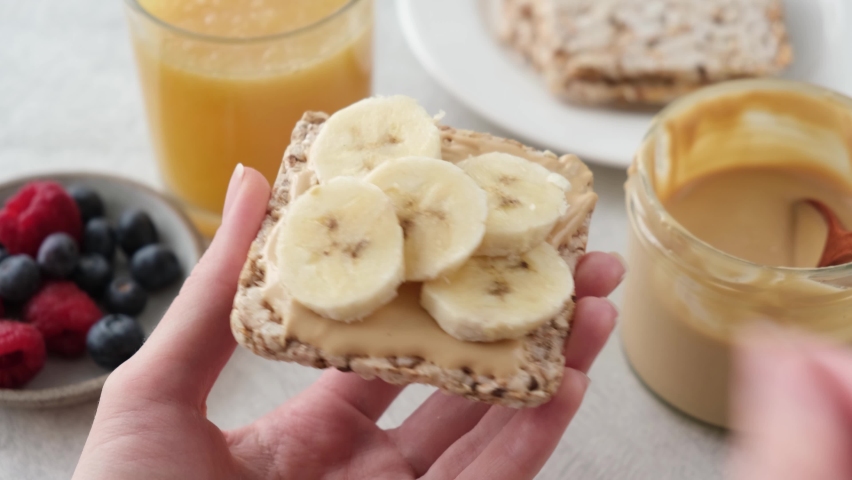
(792, 410)
(152, 423)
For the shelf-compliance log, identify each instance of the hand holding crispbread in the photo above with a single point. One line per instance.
(416, 253)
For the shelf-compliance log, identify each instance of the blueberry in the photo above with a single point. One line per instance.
(88, 202)
(113, 340)
(4, 254)
(154, 267)
(99, 238)
(135, 230)
(125, 296)
(92, 274)
(19, 278)
(58, 255)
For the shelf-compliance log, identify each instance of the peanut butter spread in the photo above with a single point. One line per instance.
(757, 214)
(732, 169)
(403, 328)
(739, 169)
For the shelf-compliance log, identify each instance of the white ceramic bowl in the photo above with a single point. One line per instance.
(66, 382)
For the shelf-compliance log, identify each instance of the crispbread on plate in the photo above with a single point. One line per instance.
(258, 326)
(645, 52)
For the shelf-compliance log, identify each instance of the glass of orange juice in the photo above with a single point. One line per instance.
(225, 81)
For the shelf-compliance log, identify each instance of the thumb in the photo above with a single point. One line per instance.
(190, 346)
(787, 420)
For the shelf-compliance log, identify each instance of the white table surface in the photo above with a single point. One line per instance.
(69, 100)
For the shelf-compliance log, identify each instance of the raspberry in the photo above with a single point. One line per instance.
(63, 314)
(21, 353)
(22, 199)
(36, 211)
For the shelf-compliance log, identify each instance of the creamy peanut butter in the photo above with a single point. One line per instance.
(758, 214)
(403, 328)
(715, 205)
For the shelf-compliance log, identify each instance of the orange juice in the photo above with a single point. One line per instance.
(225, 81)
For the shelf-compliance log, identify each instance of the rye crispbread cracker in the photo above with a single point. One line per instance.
(645, 51)
(259, 328)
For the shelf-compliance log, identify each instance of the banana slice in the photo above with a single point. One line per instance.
(341, 251)
(358, 138)
(498, 298)
(524, 201)
(441, 210)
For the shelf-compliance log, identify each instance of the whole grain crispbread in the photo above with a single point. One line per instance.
(645, 51)
(258, 327)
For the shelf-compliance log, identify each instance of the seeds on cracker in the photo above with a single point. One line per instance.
(646, 51)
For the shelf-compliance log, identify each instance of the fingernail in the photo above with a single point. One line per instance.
(623, 263)
(621, 260)
(614, 307)
(586, 379)
(233, 187)
(236, 177)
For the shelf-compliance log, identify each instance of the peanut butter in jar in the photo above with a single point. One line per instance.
(721, 235)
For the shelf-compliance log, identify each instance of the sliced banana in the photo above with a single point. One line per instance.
(524, 202)
(360, 137)
(340, 251)
(441, 210)
(498, 298)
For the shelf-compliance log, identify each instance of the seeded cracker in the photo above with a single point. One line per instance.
(645, 51)
(257, 327)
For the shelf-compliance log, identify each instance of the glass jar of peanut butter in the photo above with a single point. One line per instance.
(722, 235)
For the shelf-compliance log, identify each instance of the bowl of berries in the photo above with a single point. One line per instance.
(88, 265)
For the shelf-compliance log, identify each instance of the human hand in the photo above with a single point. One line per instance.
(792, 409)
(152, 423)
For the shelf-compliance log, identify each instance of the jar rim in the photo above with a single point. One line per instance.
(718, 90)
(137, 7)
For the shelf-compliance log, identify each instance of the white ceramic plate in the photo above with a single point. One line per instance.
(453, 40)
(66, 382)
